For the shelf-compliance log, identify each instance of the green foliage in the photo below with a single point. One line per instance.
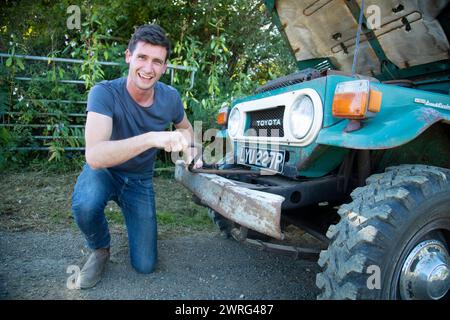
(199, 221)
(232, 43)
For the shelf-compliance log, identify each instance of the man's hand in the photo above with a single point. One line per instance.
(173, 141)
(194, 154)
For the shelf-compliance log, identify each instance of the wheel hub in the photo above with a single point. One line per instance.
(426, 272)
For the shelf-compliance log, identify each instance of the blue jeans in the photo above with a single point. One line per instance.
(134, 195)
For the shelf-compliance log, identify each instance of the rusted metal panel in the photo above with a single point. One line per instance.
(256, 210)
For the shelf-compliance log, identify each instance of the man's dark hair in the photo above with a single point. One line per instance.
(150, 33)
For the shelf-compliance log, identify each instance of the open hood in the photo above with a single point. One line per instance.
(411, 32)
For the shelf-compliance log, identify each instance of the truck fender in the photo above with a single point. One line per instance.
(389, 129)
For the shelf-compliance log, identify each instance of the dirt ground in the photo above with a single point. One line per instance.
(41, 201)
(39, 241)
(34, 265)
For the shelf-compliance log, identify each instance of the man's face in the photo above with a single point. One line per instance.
(147, 64)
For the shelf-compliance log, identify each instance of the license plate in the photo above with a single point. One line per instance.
(264, 158)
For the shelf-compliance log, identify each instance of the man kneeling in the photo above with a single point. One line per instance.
(125, 127)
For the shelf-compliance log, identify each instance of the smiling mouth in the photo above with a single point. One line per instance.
(144, 76)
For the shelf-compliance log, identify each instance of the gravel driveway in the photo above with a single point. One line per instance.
(202, 266)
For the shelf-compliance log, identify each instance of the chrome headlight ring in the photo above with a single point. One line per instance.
(234, 121)
(301, 117)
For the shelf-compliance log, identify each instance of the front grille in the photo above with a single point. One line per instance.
(266, 123)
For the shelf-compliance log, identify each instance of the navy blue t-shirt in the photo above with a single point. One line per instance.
(112, 99)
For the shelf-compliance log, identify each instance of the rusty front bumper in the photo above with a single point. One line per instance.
(256, 210)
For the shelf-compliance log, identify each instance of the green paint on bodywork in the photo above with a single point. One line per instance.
(430, 148)
(322, 161)
(404, 128)
(401, 119)
(420, 71)
(270, 5)
(221, 134)
(312, 160)
(316, 84)
(320, 85)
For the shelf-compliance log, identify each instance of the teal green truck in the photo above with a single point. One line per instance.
(354, 148)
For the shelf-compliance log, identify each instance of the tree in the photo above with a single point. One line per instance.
(233, 43)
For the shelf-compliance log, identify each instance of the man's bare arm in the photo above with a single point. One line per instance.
(103, 153)
(186, 128)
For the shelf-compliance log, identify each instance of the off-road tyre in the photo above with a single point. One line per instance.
(386, 219)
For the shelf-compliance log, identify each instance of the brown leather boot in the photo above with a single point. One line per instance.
(93, 269)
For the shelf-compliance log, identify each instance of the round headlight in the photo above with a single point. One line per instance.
(233, 122)
(301, 117)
